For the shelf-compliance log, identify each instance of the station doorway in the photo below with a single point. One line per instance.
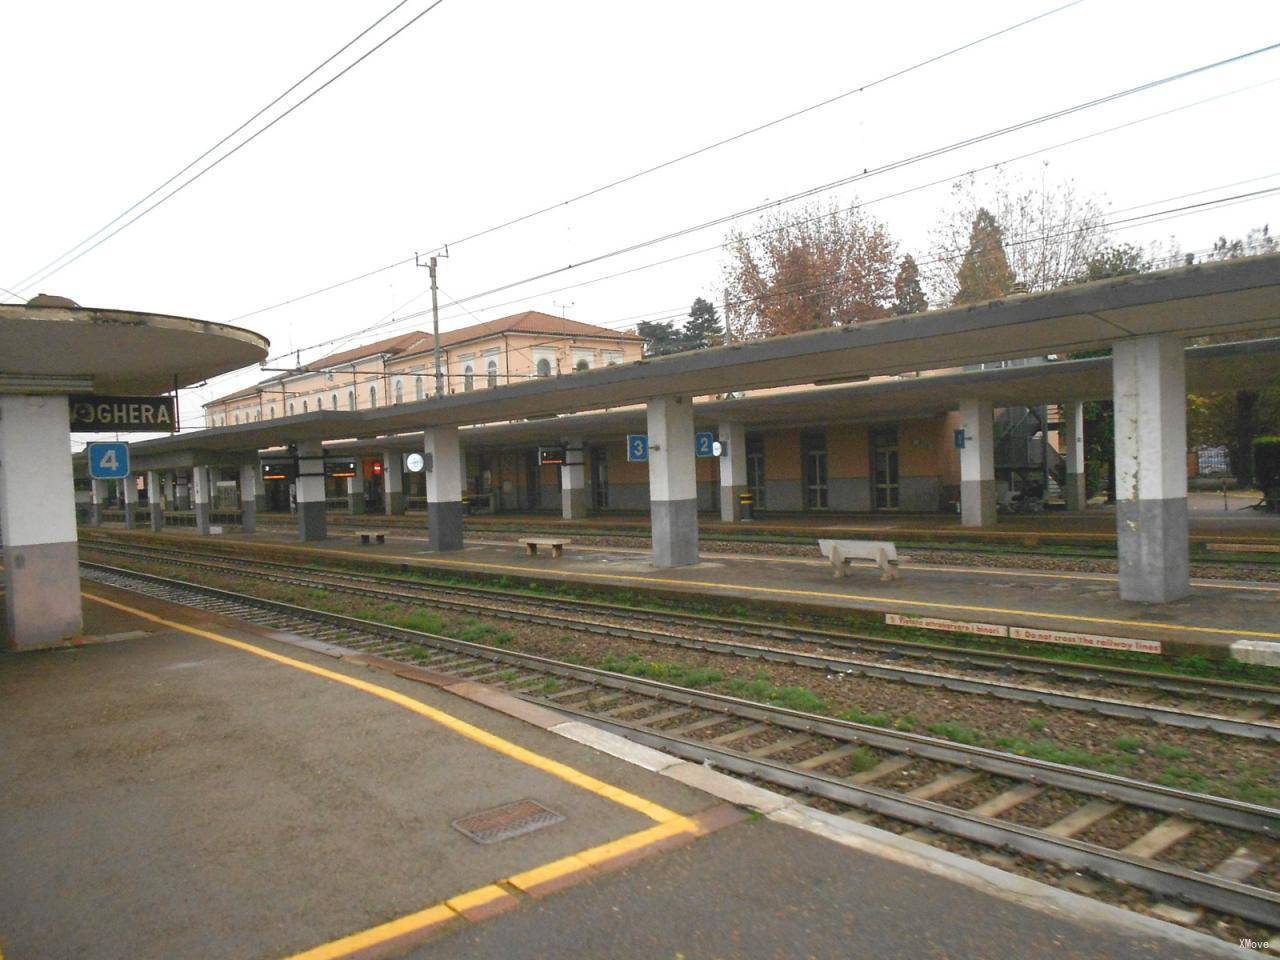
(884, 463)
(599, 478)
(813, 452)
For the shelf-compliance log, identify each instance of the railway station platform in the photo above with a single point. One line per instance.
(199, 786)
(1220, 618)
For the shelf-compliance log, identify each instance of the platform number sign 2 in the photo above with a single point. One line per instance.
(704, 444)
(637, 447)
(108, 461)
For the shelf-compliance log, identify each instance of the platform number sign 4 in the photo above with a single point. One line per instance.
(704, 444)
(637, 447)
(108, 461)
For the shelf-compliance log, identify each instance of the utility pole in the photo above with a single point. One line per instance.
(728, 330)
(435, 319)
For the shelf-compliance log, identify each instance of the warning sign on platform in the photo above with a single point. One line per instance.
(1084, 640)
(952, 626)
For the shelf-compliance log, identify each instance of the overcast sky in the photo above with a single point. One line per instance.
(487, 109)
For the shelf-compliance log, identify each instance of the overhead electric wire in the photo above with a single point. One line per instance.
(677, 159)
(40, 276)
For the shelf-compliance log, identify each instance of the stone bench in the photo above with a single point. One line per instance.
(842, 552)
(556, 544)
(373, 536)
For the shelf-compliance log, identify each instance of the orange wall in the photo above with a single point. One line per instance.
(918, 447)
(782, 455)
(848, 452)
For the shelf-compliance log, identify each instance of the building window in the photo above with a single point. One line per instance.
(544, 367)
(582, 359)
(304, 406)
(612, 357)
(755, 471)
(257, 415)
(291, 408)
(237, 418)
(351, 399)
(417, 388)
(373, 396)
(320, 401)
(491, 372)
(813, 447)
(333, 401)
(271, 412)
(468, 378)
(399, 391)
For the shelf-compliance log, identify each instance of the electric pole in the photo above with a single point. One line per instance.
(435, 319)
(728, 330)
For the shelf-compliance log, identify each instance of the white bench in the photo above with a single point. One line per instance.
(373, 536)
(556, 544)
(841, 552)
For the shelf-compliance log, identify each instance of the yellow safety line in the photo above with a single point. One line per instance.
(555, 768)
(747, 588)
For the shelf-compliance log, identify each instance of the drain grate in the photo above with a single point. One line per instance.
(509, 820)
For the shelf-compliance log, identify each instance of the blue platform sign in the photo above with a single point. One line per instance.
(637, 447)
(704, 444)
(108, 461)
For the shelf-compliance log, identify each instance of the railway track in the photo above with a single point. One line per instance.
(980, 795)
(1228, 708)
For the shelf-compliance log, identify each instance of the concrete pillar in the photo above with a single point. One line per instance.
(100, 492)
(977, 464)
(84, 506)
(249, 483)
(259, 489)
(182, 491)
(444, 473)
(1151, 468)
(733, 470)
(171, 490)
(129, 488)
(309, 492)
(673, 483)
(573, 480)
(38, 518)
(155, 500)
(392, 482)
(201, 489)
(355, 490)
(1073, 454)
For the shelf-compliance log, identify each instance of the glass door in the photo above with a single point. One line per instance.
(813, 447)
(885, 460)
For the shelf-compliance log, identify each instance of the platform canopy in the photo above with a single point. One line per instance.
(52, 345)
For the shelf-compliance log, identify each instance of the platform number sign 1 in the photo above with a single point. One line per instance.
(108, 461)
(704, 444)
(637, 447)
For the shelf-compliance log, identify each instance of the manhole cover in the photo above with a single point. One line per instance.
(507, 821)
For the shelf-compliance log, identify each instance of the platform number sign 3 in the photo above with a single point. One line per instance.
(637, 447)
(704, 444)
(108, 461)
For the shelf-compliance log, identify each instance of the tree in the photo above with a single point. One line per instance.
(1050, 233)
(908, 295)
(984, 272)
(1119, 260)
(809, 268)
(661, 338)
(702, 329)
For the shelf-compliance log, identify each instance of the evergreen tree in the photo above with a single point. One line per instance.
(908, 294)
(662, 338)
(985, 273)
(702, 329)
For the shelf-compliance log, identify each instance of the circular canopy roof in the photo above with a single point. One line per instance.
(51, 339)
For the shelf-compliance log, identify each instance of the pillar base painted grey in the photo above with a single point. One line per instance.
(95, 515)
(444, 526)
(248, 516)
(573, 503)
(1153, 543)
(356, 502)
(184, 503)
(1074, 491)
(977, 503)
(675, 532)
(260, 502)
(130, 515)
(157, 517)
(313, 524)
(202, 518)
(393, 503)
(42, 594)
(730, 504)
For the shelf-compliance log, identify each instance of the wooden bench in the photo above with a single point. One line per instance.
(373, 536)
(841, 552)
(556, 544)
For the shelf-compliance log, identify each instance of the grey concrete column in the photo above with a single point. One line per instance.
(313, 524)
(99, 489)
(250, 480)
(444, 488)
(673, 483)
(182, 491)
(155, 500)
(201, 489)
(392, 482)
(1073, 453)
(977, 464)
(573, 480)
(733, 470)
(171, 490)
(129, 493)
(84, 506)
(1151, 468)
(355, 490)
(38, 517)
